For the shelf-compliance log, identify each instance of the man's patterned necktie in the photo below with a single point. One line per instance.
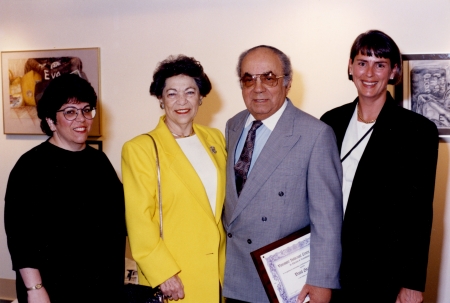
(243, 164)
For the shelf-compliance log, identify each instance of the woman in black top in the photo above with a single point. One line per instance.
(64, 208)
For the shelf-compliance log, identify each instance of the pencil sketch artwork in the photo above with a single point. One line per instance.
(430, 90)
(28, 79)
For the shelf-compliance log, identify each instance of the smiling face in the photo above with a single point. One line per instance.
(371, 76)
(70, 135)
(263, 101)
(181, 98)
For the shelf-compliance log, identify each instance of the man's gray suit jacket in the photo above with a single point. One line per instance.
(295, 182)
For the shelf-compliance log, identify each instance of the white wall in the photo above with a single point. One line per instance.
(134, 35)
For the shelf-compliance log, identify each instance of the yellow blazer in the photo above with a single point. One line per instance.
(194, 238)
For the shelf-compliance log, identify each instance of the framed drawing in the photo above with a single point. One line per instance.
(426, 88)
(26, 74)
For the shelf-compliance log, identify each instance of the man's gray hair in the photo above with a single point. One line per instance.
(285, 61)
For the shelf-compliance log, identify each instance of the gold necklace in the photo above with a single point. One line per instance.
(361, 118)
(176, 135)
(182, 136)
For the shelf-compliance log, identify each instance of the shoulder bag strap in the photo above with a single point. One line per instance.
(357, 143)
(159, 188)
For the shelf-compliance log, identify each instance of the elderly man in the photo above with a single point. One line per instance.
(283, 173)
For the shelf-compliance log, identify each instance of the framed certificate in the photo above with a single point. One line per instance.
(283, 266)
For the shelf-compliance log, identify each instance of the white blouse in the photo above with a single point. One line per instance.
(203, 165)
(355, 131)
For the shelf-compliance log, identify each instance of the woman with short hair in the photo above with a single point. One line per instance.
(389, 156)
(188, 263)
(64, 206)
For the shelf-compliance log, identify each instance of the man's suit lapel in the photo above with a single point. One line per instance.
(280, 142)
(233, 134)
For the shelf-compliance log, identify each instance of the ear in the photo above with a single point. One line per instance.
(394, 72)
(288, 87)
(51, 124)
(161, 103)
(350, 66)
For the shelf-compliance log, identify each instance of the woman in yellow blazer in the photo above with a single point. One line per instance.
(189, 262)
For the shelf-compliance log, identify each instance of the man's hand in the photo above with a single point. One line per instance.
(316, 294)
(409, 296)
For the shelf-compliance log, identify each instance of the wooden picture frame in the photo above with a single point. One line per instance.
(270, 271)
(26, 74)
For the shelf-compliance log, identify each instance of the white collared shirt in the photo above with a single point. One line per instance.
(262, 134)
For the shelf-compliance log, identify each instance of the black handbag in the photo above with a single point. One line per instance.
(136, 293)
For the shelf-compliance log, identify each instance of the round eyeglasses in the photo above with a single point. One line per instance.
(269, 79)
(71, 113)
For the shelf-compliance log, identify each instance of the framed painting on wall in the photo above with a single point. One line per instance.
(26, 74)
(426, 88)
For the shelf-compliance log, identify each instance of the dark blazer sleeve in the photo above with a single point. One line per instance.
(418, 192)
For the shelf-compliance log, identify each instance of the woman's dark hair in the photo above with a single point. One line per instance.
(378, 44)
(181, 65)
(67, 88)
